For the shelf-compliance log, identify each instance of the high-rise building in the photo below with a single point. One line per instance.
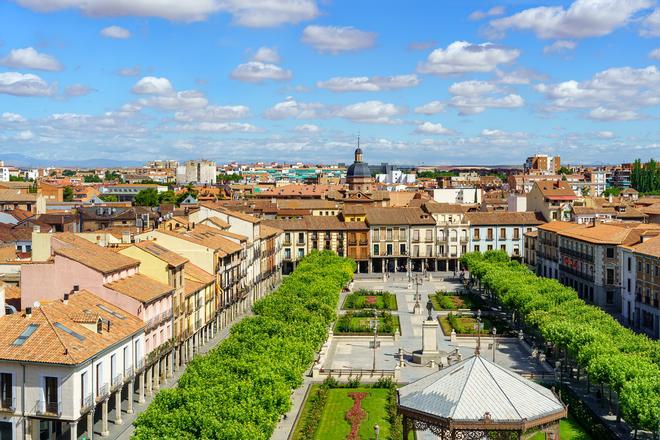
(542, 164)
(202, 172)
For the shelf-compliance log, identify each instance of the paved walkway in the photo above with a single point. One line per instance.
(125, 430)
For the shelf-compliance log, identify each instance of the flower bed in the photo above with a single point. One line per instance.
(466, 325)
(453, 301)
(370, 299)
(240, 389)
(358, 323)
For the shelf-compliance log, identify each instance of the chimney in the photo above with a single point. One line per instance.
(65, 301)
(28, 312)
(36, 228)
(108, 326)
(76, 288)
(609, 198)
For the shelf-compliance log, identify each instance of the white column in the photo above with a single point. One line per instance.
(73, 430)
(129, 404)
(141, 388)
(90, 425)
(104, 418)
(150, 382)
(118, 420)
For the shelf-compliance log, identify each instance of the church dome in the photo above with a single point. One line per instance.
(358, 169)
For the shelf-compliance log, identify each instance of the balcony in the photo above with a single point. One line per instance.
(139, 365)
(576, 254)
(463, 239)
(128, 372)
(576, 273)
(117, 381)
(8, 404)
(103, 392)
(48, 408)
(87, 403)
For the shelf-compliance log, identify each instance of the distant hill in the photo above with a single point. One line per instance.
(20, 160)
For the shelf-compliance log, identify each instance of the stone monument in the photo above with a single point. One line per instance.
(429, 351)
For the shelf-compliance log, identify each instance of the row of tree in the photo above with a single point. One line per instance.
(645, 178)
(627, 362)
(241, 389)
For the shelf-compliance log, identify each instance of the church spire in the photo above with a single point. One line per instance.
(358, 151)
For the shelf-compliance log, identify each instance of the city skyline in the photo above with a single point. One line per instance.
(482, 83)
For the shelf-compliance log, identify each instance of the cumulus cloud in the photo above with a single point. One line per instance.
(151, 85)
(655, 54)
(256, 71)
(431, 108)
(11, 117)
(117, 32)
(651, 24)
(245, 13)
(78, 90)
(130, 71)
(24, 135)
(367, 84)
(266, 55)
(19, 84)
(213, 113)
(499, 134)
(472, 97)
(29, 58)
(335, 39)
(492, 12)
(612, 94)
(605, 134)
(373, 112)
(218, 127)
(560, 46)
(584, 18)
(431, 128)
(463, 57)
(183, 100)
(472, 88)
(308, 128)
(290, 108)
(521, 76)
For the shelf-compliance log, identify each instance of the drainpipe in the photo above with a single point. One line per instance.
(25, 424)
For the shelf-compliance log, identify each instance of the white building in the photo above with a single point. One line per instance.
(4, 174)
(202, 172)
(461, 196)
(396, 177)
(62, 362)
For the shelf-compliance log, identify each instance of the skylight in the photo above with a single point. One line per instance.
(113, 313)
(69, 331)
(26, 334)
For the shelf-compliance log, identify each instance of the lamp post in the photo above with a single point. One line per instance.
(494, 341)
(418, 282)
(375, 327)
(478, 349)
(376, 430)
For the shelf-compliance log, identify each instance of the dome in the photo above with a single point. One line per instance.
(358, 151)
(358, 169)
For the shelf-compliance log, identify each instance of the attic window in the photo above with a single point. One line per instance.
(26, 334)
(113, 313)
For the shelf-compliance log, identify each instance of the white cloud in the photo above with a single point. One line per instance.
(521, 76)
(471, 105)
(250, 13)
(373, 112)
(266, 55)
(431, 108)
(605, 134)
(431, 128)
(19, 84)
(11, 117)
(366, 84)
(492, 12)
(29, 58)
(151, 85)
(616, 93)
(655, 54)
(218, 127)
(24, 135)
(117, 32)
(605, 114)
(213, 113)
(256, 71)
(130, 71)
(337, 39)
(308, 128)
(560, 46)
(472, 88)
(78, 90)
(290, 108)
(463, 57)
(651, 24)
(584, 18)
(183, 100)
(501, 134)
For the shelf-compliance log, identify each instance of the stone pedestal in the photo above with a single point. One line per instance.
(452, 336)
(429, 351)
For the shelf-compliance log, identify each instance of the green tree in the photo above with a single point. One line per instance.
(93, 178)
(613, 191)
(586, 190)
(109, 198)
(68, 173)
(68, 194)
(564, 170)
(112, 175)
(146, 197)
(16, 179)
(168, 197)
(229, 177)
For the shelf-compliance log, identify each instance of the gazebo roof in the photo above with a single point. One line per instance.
(477, 390)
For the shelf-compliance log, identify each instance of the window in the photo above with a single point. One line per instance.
(51, 395)
(648, 268)
(126, 357)
(429, 250)
(489, 234)
(389, 249)
(113, 366)
(503, 247)
(402, 249)
(429, 235)
(402, 234)
(502, 233)
(416, 251)
(610, 252)
(441, 250)
(6, 390)
(287, 237)
(26, 334)
(610, 297)
(629, 265)
(476, 234)
(416, 235)
(628, 285)
(516, 234)
(376, 249)
(375, 234)
(83, 388)
(476, 248)
(389, 234)
(301, 252)
(301, 237)
(490, 247)
(610, 276)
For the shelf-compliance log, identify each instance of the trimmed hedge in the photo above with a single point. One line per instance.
(240, 389)
(611, 354)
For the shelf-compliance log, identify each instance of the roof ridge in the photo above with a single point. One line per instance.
(52, 326)
(500, 388)
(464, 386)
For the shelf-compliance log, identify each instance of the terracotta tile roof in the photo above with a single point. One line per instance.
(315, 223)
(141, 288)
(443, 208)
(531, 234)
(297, 190)
(651, 209)
(166, 255)
(557, 226)
(233, 235)
(650, 247)
(610, 233)
(14, 195)
(352, 209)
(51, 343)
(93, 256)
(266, 231)
(7, 252)
(14, 233)
(401, 198)
(647, 200)
(208, 237)
(398, 216)
(19, 214)
(196, 279)
(588, 210)
(556, 190)
(630, 212)
(220, 223)
(306, 204)
(240, 215)
(503, 218)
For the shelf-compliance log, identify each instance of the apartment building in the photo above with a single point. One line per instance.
(501, 231)
(202, 172)
(641, 284)
(552, 199)
(65, 364)
(452, 234)
(542, 164)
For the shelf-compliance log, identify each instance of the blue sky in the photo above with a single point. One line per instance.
(433, 82)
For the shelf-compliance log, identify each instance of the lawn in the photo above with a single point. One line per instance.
(333, 424)
(350, 323)
(369, 299)
(453, 301)
(568, 429)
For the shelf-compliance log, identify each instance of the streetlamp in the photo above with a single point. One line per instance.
(376, 430)
(375, 327)
(478, 349)
(494, 341)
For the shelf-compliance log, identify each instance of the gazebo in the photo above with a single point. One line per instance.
(477, 399)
